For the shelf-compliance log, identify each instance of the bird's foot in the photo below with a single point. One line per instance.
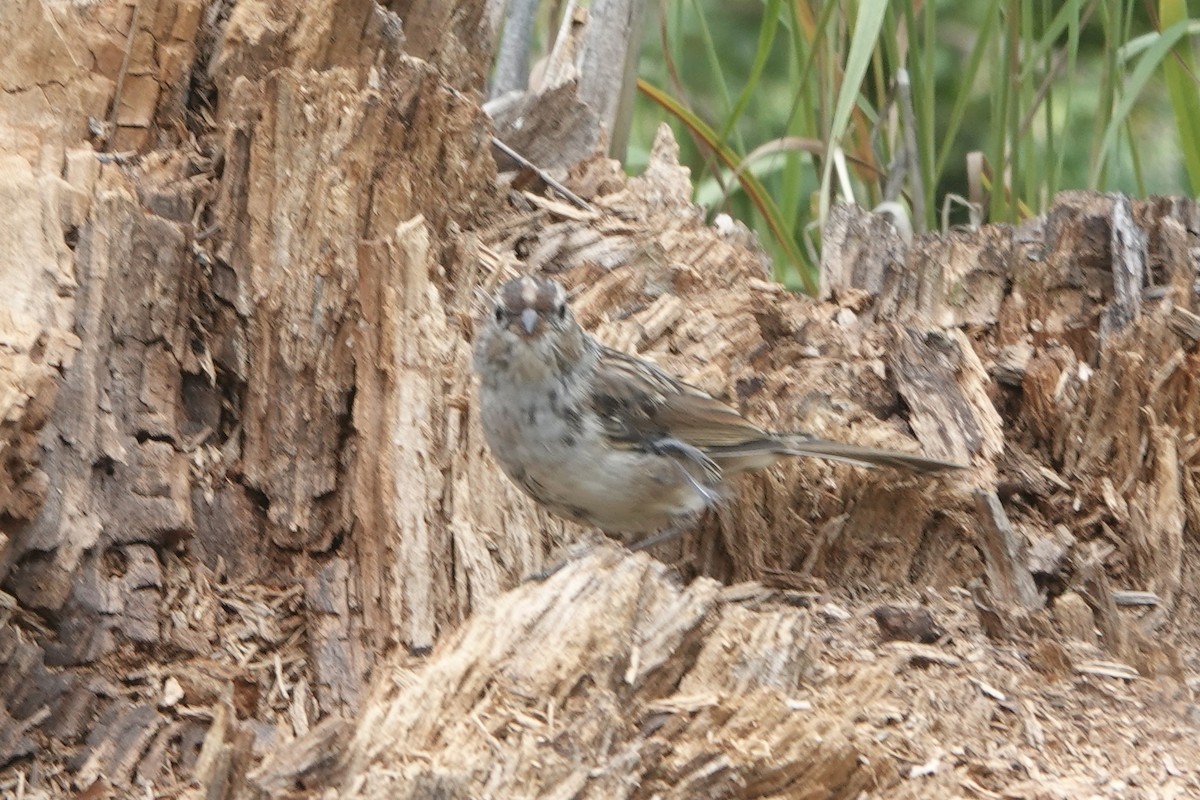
(574, 551)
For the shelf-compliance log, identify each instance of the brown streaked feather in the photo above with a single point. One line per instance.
(804, 445)
(640, 403)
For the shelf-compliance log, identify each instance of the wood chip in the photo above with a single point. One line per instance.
(561, 209)
(661, 315)
(990, 691)
(685, 704)
(172, 693)
(1009, 367)
(923, 655)
(979, 791)
(835, 613)
(1108, 669)
(1127, 597)
(930, 767)
(1185, 323)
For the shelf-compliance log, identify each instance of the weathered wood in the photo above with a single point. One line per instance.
(943, 279)
(612, 680)
(1075, 618)
(580, 95)
(944, 384)
(203, 409)
(309, 762)
(608, 60)
(1097, 591)
(554, 130)
(1128, 246)
(992, 617)
(513, 20)
(709, 723)
(1004, 555)
(244, 494)
(1185, 323)
(862, 251)
(1158, 518)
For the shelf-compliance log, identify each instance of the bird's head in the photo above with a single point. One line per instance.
(530, 327)
(531, 307)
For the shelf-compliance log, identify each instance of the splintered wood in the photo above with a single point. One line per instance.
(183, 507)
(252, 543)
(595, 675)
(612, 680)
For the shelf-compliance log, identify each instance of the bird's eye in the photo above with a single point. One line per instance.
(498, 314)
(561, 311)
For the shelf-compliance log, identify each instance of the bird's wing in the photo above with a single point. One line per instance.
(641, 403)
(643, 406)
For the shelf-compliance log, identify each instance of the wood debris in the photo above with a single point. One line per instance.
(253, 542)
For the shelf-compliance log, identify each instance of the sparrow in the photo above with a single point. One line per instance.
(609, 439)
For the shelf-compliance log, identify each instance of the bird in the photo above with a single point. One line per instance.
(609, 439)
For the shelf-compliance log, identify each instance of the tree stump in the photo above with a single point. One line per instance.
(252, 544)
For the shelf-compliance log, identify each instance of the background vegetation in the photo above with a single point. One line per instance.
(940, 112)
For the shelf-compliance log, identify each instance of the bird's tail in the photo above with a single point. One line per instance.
(802, 445)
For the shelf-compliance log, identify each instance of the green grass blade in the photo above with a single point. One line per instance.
(1024, 159)
(804, 115)
(1146, 66)
(1179, 72)
(753, 188)
(867, 25)
(714, 64)
(1073, 30)
(1068, 15)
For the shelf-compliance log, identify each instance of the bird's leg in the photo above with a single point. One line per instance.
(573, 551)
(580, 549)
(676, 447)
(679, 452)
(660, 537)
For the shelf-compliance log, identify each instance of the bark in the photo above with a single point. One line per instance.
(253, 544)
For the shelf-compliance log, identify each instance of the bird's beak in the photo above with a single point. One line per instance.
(529, 319)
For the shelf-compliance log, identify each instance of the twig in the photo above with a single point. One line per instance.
(553, 184)
(116, 104)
